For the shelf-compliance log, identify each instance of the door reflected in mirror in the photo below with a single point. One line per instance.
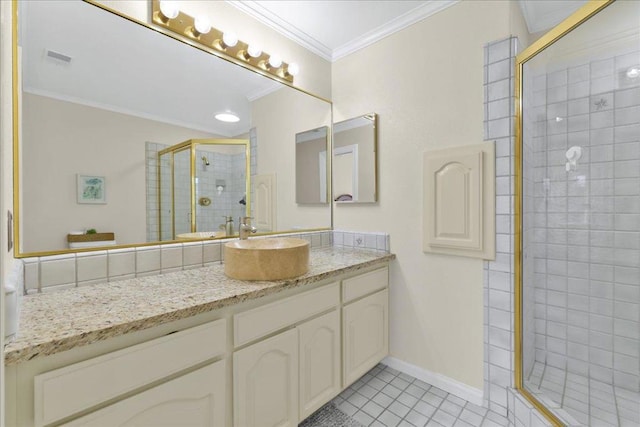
(355, 160)
(311, 166)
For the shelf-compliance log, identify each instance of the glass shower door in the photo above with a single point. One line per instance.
(580, 220)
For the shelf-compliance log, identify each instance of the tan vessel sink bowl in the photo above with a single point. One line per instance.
(266, 259)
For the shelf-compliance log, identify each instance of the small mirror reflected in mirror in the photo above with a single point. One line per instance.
(355, 160)
(311, 166)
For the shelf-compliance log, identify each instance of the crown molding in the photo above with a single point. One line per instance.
(264, 91)
(257, 11)
(401, 22)
(273, 21)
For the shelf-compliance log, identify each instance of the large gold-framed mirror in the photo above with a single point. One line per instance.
(93, 106)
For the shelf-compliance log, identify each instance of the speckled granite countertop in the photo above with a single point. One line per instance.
(59, 321)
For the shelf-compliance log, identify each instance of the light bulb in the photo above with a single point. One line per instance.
(202, 24)
(220, 188)
(633, 72)
(169, 9)
(293, 69)
(275, 61)
(254, 50)
(230, 38)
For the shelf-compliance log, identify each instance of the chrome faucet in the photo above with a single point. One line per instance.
(245, 227)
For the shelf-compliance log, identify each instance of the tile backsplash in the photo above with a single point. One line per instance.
(51, 273)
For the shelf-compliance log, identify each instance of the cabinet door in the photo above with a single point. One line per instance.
(265, 382)
(319, 344)
(194, 399)
(365, 334)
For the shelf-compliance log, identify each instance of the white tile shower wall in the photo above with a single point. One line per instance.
(55, 272)
(151, 174)
(587, 222)
(498, 274)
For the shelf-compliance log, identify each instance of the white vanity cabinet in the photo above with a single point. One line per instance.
(266, 362)
(365, 323)
(320, 362)
(265, 379)
(283, 379)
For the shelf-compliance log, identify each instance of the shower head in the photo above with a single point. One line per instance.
(205, 161)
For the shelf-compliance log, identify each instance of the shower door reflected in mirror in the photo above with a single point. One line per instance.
(195, 185)
(580, 229)
(354, 160)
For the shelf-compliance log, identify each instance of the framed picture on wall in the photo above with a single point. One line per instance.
(91, 189)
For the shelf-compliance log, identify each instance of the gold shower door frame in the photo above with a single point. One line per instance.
(580, 16)
(191, 145)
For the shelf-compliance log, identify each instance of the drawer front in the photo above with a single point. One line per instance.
(196, 399)
(365, 284)
(65, 391)
(263, 320)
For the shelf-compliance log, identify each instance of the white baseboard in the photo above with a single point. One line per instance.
(461, 390)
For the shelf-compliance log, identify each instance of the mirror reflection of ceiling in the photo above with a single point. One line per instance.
(202, 85)
(352, 124)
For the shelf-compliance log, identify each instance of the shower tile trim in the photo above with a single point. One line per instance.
(66, 271)
(498, 274)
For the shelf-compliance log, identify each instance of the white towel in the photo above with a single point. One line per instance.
(13, 295)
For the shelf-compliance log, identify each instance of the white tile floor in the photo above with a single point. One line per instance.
(385, 397)
(588, 401)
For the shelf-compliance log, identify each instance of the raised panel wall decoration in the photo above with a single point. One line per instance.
(459, 201)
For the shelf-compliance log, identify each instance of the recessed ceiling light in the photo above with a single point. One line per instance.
(228, 117)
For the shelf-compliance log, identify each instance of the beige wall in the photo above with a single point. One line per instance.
(426, 84)
(100, 143)
(315, 72)
(277, 118)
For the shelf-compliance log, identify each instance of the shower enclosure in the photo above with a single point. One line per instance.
(578, 210)
(200, 182)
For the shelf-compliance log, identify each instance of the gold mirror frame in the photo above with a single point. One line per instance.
(17, 253)
(566, 26)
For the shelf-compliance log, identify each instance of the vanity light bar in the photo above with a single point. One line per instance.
(226, 44)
